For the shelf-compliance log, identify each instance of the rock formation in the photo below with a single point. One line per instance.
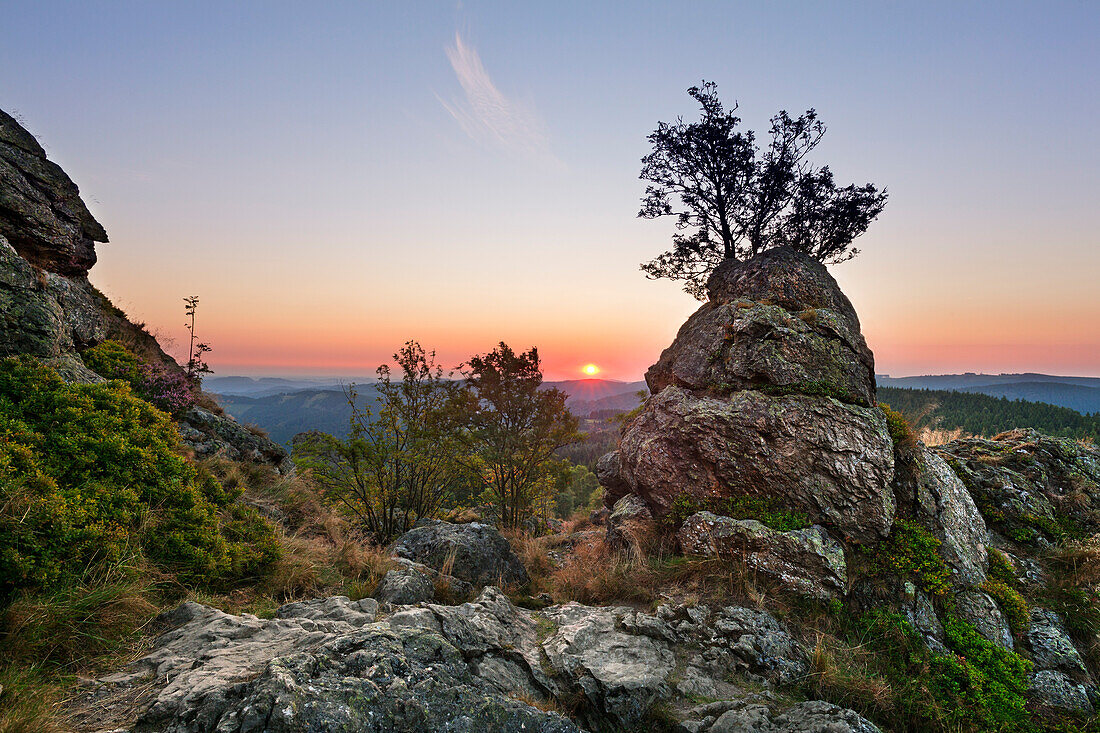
(768, 390)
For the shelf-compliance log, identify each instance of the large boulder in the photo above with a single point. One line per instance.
(830, 459)
(628, 523)
(474, 552)
(778, 321)
(807, 561)
(768, 390)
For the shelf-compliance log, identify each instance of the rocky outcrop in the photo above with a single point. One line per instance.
(209, 435)
(335, 665)
(768, 390)
(320, 665)
(50, 311)
(41, 213)
(807, 561)
(1030, 487)
(474, 552)
(832, 460)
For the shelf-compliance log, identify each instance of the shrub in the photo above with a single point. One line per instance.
(1012, 604)
(982, 684)
(168, 390)
(911, 550)
(90, 473)
(900, 433)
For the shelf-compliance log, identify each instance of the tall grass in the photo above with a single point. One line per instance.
(70, 626)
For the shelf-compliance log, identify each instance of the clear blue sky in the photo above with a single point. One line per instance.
(333, 178)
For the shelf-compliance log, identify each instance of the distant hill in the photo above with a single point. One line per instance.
(981, 414)
(267, 386)
(286, 407)
(1077, 393)
(283, 416)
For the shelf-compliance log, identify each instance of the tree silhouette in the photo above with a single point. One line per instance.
(733, 200)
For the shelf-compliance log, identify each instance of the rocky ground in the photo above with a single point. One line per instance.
(483, 665)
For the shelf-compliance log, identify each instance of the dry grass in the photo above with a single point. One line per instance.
(28, 702)
(593, 573)
(462, 515)
(322, 553)
(932, 436)
(845, 675)
(72, 626)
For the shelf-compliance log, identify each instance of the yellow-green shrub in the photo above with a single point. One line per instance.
(89, 472)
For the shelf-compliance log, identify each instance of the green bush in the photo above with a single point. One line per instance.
(977, 687)
(900, 433)
(89, 473)
(911, 550)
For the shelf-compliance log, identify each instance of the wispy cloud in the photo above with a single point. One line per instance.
(487, 115)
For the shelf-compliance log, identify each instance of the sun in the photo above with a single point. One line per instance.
(591, 370)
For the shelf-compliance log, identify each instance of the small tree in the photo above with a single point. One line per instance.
(398, 465)
(733, 200)
(196, 366)
(512, 428)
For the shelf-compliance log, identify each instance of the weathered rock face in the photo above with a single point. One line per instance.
(334, 665)
(41, 213)
(768, 390)
(474, 552)
(830, 459)
(942, 505)
(982, 612)
(46, 315)
(807, 561)
(776, 321)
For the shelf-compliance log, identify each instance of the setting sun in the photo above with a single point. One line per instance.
(591, 370)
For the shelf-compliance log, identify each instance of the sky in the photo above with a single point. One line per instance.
(332, 179)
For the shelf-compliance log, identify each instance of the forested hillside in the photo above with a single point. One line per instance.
(981, 414)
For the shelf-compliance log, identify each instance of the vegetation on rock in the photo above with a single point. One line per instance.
(911, 550)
